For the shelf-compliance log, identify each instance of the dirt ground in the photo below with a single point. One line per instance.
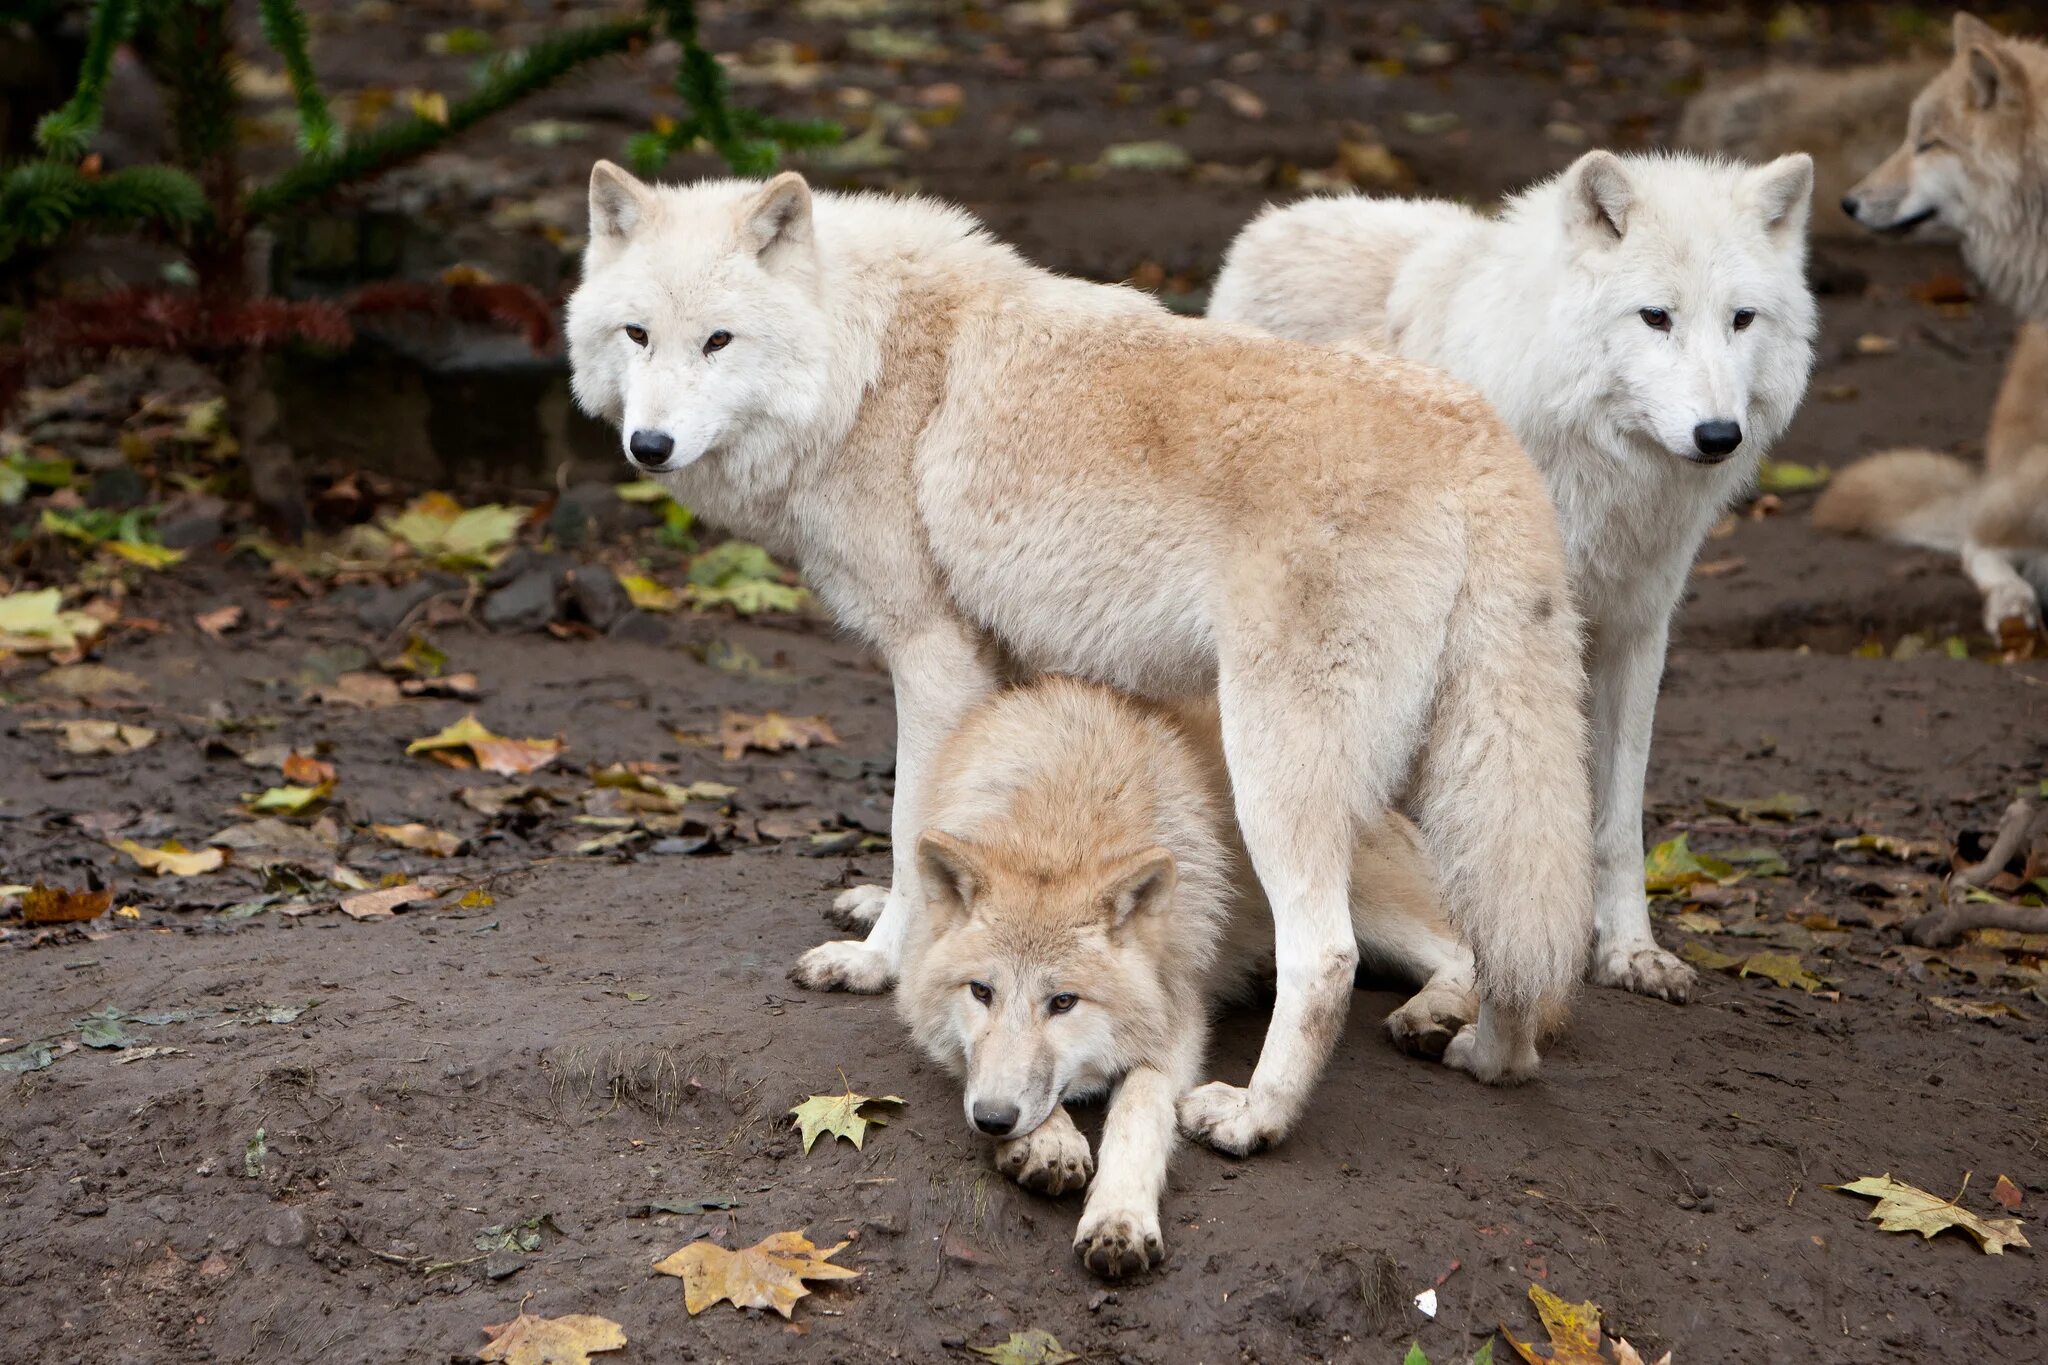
(613, 1031)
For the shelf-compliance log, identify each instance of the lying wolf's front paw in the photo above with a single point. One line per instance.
(1052, 1158)
(1225, 1117)
(845, 965)
(2011, 611)
(1118, 1242)
(1486, 1055)
(857, 908)
(1425, 1025)
(1644, 969)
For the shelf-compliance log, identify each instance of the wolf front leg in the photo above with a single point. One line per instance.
(940, 676)
(2010, 603)
(1119, 1231)
(1626, 665)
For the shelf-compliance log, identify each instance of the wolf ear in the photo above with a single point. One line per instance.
(1598, 195)
(949, 870)
(1994, 77)
(618, 201)
(778, 220)
(1784, 193)
(1141, 884)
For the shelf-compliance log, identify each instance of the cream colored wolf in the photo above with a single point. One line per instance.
(1088, 904)
(1974, 159)
(979, 463)
(1643, 324)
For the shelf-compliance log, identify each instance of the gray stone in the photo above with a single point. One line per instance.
(383, 609)
(595, 592)
(285, 1228)
(192, 520)
(525, 603)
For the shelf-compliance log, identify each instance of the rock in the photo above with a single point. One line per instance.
(595, 593)
(523, 561)
(588, 511)
(192, 520)
(382, 609)
(525, 603)
(120, 486)
(285, 1228)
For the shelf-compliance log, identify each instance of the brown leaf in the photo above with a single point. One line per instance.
(356, 689)
(306, 770)
(421, 838)
(771, 733)
(770, 1274)
(567, 1340)
(494, 753)
(89, 680)
(96, 737)
(218, 622)
(382, 903)
(456, 686)
(54, 905)
(1906, 1208)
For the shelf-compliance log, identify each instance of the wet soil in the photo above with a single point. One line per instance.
(614, 1030)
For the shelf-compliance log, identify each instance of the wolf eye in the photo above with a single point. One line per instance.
(1928, 145)
(1063, 1002)
(1743, 317)
(637, 335)
(717, 341)
(1655, 318)
(981, 991)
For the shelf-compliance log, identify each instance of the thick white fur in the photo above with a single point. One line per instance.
(1539, 308)
(975, 460)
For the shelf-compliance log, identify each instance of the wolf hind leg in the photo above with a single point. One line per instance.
(1402, 928)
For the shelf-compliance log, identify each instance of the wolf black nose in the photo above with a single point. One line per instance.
(995, 1119)
(1850, 205)
(651, 447)
(1716, 438)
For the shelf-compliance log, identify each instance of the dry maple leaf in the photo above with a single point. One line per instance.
(172, 858)
(840, 1115)
(421, 838)
(356, 689)
(1906, 1208)
(493, 753)
(770, 733)
(551, 1341)
(769, 1274)
(96, 737)
(384, 902)
(53, 905)
(1574, 1332)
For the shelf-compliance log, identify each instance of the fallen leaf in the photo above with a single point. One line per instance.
(1574, 1332)
(356, 689)
(143, 1054)
(87, 680)
(1783, 476)
(741, 575)
(1975, 1009)
(384, 902)
(268, 842)
(286, 800)
(455, 686)
(421, 838)
(36, 623)
(1784, 806)
(493, 753)
(840, 1115)
(1905, 850)
(570, 1340)
(218, 622)
(1672, 866)
(1035, 1347)
(1783, 968)
(1871, 343)
(769, 1274)
(54, 905)
(96, 737)
(306, 770)
(650, 595)
(103, 1029)
(173, 858)
(437, 527)
(1906, 1208)
(771, 733)
(2005, 1193)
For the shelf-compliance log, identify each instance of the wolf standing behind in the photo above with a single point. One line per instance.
(1644, 325)
(972, 459)
(1975, 160)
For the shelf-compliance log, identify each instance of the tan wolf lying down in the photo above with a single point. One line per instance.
(1087, 906)
(1974, 159)
(977, 463)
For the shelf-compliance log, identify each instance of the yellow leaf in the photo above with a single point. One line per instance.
(769, 1274)
(1975, 1009)
(1573, 1328)
(1905, 850)
(148, 556)
(551, 1341)
(173, 858)
(90, 737)
(287, 800)
(771, 733)
(1905, 1208)
(1672, 866)
(430, 105)
(421, 838)
(1783, 968)
(493, 753)
(53, 905)
(1034, 1347)
(839, 1115)
(649, 595)
(35, 623)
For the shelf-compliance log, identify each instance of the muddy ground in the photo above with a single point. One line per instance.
(614, 1031)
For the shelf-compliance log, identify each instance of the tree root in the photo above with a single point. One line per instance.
(2021, 825)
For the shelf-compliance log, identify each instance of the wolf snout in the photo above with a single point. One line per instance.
(1717, 439)
(650, 448)
(994, 1118)
(1850, 204)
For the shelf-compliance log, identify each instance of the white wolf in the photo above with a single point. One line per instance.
(975, 460)
(1974, 159)
(1644, 325)
(1087, 905)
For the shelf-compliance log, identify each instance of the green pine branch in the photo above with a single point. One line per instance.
(284, 27)
(64, 133)
(42, 200)
(751, 143)
(506, 81)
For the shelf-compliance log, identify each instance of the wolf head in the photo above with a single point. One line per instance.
(1687, 282)
(1038, 985)
(697, 329)
(1975, 159)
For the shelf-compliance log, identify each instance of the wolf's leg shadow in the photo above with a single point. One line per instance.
(939, 676)
(1119, 1230)
(1052, 1158)
(1626, 666)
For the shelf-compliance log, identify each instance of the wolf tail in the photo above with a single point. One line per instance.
(1916, 497)
(1503, 794)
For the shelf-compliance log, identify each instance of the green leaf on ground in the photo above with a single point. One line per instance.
(1672, 866)
(1783, 476)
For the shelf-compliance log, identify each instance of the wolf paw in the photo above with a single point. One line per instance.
(1225, 1117)
(1119, 1242)
(857, 908)
(1484, 1055)
(844, 965)
(2012, 611)
(1051, 1158)
(1644, 969)
(1425, 1025)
